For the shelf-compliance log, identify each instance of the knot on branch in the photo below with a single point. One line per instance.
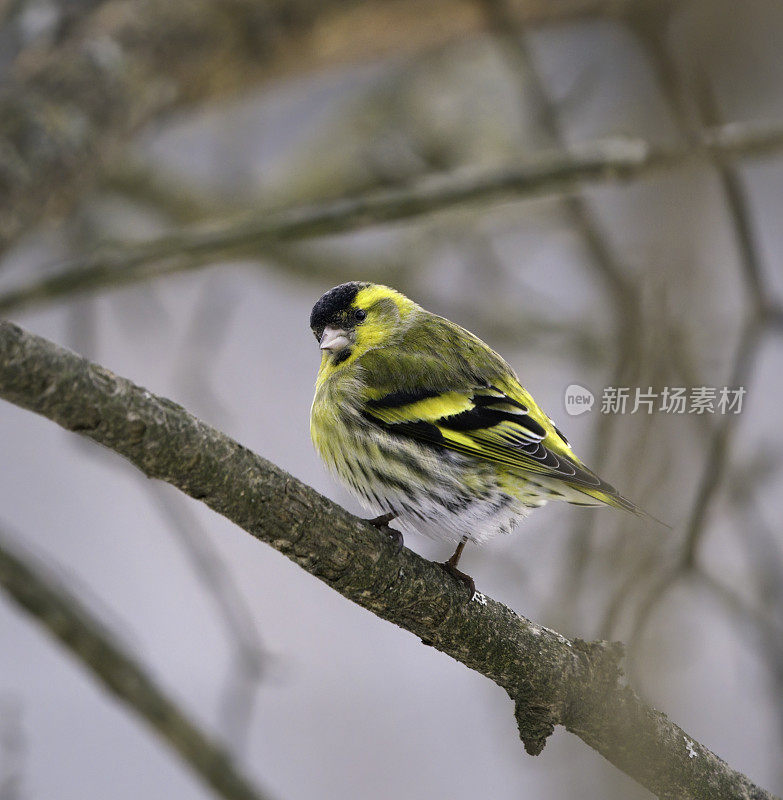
(536, 711)
(544, 701)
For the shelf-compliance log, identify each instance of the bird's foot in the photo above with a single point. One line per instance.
(382, 521)
(461, 576)
(382, 524)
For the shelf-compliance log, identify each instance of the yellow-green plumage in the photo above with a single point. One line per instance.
(421, 419)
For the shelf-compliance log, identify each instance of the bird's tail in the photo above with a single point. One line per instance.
(609, 496)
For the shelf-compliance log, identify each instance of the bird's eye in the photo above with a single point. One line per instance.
(360, 315)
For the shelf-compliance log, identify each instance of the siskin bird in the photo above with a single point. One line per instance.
(426, 424)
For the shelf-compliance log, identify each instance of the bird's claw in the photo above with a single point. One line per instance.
(461, 576)
(396, 537)
(382, 521)
(382, 524)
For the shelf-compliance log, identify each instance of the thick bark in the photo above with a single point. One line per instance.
(551, 679)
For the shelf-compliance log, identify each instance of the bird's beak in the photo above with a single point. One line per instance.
(334, 339)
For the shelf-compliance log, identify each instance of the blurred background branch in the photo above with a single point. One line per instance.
(550, 172)
(66, 619)
(249, 658)
(12, 749)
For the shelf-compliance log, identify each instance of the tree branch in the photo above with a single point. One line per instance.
(552, 680)
(68, 620)
(65, 110)
(548, 172)
(67, 106)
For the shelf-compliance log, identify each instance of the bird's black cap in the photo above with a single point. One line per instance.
(333, 303)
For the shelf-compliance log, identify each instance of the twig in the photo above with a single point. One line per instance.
(68, 620)
(551, 679)
(749, 618)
